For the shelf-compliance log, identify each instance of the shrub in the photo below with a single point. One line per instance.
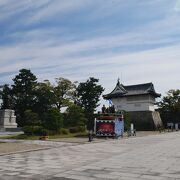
(64, 131)
(34, 130)
(27, 130)
(31, 118)
(44, 132)
(77, 129)
(81, 128)
(73, 129)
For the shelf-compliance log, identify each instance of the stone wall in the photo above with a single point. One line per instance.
(145, 120)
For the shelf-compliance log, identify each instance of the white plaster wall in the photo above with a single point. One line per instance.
(136, 103)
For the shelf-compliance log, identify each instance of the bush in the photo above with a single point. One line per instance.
(77, 129)
(35, 130)
(64, 131)
(28, 130)
(53, 120)
(73, 129)
(81, 128)
(44, 132)
(31, 118)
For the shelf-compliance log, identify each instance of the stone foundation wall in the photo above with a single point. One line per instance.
(7, 119)
(145, 120)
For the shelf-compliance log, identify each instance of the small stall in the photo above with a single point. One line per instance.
(109, 125)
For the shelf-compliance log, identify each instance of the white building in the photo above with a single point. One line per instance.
(140, 97)
(139, 101)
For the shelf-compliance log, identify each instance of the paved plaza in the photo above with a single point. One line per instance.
(153, 157)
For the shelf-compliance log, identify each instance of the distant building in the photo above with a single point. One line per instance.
(139, 101)
(140, 97)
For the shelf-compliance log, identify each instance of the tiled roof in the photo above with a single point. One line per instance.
(120, 90)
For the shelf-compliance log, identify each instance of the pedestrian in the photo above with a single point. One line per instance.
(90, 136)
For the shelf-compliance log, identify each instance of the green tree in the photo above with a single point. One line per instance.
(75, 116)
(53, 120)
(169, 107)
(31, 118)
(63, 92)
(89, 94)
(44, 97)
(33, 124)
(6, 96)
(23, 91)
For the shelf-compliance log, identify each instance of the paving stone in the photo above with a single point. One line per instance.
(170, 175)
(78, 177)
(153, 177)
(122, 174)
(154, 157)
(59, 178)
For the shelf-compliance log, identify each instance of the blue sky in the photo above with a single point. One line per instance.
(136, 40)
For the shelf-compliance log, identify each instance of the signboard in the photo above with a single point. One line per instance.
(113, 127)
(104, 128)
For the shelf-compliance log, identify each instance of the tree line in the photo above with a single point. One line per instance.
(39, 104)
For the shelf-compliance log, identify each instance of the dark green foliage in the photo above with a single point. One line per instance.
(81, 128)
(44, 97)
(6, 96)
(127, 120)
(23, 91)
(31, 118)
(75, 116)
(73, 129)
(77, 129)
(24, 84)
(64, 131)
(88, 97)
(34, 130)
(53, 120)
(169, 107)
(33, 124)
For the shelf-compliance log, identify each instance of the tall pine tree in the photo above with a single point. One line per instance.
(23, 93)
(89, 94)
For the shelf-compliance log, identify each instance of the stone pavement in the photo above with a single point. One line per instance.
(153, 157)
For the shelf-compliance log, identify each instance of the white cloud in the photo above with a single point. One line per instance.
(159, 65)
(44, 51)
(9, 8)
(56, 8)
(177, 6)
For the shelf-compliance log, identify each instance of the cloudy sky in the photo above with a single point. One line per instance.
(136, 40)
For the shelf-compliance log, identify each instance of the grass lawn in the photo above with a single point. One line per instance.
(26, 137)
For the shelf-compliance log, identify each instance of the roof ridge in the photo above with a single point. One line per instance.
(138, 84)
